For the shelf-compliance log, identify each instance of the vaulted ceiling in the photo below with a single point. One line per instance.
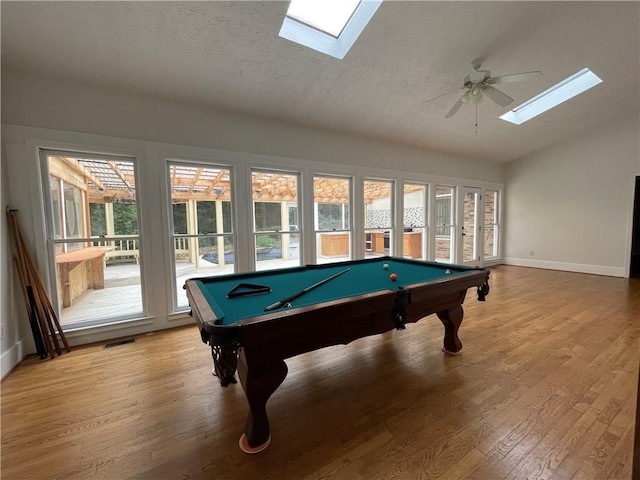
(228, 55)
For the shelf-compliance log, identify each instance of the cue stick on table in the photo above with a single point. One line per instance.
(288, 300)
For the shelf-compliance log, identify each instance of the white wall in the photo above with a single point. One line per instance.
(33, 101)
(10, 332)
(53, 114)
(572, 204)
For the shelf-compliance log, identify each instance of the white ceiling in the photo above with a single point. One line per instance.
(228, 55)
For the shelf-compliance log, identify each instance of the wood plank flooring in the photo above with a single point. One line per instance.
(545, 389)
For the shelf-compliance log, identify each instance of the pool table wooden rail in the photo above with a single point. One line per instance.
(344, 320)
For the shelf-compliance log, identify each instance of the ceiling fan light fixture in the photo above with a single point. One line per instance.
(559, 93)
(475, 93)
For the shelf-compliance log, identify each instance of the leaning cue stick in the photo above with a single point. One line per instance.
(43, 307)
(51, 313)
(52, 316)
(41, 295)
(23, 258)
(32, 287)
(34, 299)
(288, 300)
(33, 320)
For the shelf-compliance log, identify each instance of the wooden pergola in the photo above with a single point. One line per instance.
(114, 181)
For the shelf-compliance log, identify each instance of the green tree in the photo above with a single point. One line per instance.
(98, 219)
(180, 218)
(125, 218)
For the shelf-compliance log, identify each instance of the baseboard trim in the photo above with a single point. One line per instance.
(11, 358)
(567, 267)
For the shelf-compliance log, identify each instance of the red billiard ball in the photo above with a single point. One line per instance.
(393, 277)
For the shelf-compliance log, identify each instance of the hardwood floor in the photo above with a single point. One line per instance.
(545, 389)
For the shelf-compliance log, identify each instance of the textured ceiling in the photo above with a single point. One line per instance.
(228, 55)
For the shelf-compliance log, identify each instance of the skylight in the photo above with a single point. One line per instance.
(329, 16)
(559, 93)
(328, 26)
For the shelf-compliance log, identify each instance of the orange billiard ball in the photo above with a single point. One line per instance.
(393, 277)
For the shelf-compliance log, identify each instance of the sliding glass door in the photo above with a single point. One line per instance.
(471, 229)
(445, 209)
(491, 224)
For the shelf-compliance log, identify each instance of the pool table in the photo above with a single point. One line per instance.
(240, 317)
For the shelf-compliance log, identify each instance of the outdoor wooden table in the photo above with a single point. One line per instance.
(80, 270)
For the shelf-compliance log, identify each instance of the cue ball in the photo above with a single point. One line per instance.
(393, 277)
(447, 272)
(385, 266)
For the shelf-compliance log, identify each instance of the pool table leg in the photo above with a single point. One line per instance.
(451, 319)
(259, 381)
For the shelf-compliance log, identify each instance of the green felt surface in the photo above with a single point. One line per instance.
(363, 277)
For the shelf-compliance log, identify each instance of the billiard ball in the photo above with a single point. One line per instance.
(385, 266)
(393, 277)
(447, 272)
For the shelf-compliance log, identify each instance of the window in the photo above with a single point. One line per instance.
(378, 221)
(443, 214)
(275, 203)
(414, 221)
(203, 240)
(208, 220)
(93, 221)
(98, 220)
(179, 211)
(67, 217)
(332, 197)
(73, 219)
(333, 217)
(268, 216)
(293, 218)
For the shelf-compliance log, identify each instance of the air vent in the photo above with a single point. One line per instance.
(121, 342)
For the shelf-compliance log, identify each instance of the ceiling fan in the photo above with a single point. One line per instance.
(480, 84)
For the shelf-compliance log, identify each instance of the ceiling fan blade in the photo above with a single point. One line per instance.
(516, 77)
(443, 95)
(497, 96)
(454, 109)
(477, 63)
